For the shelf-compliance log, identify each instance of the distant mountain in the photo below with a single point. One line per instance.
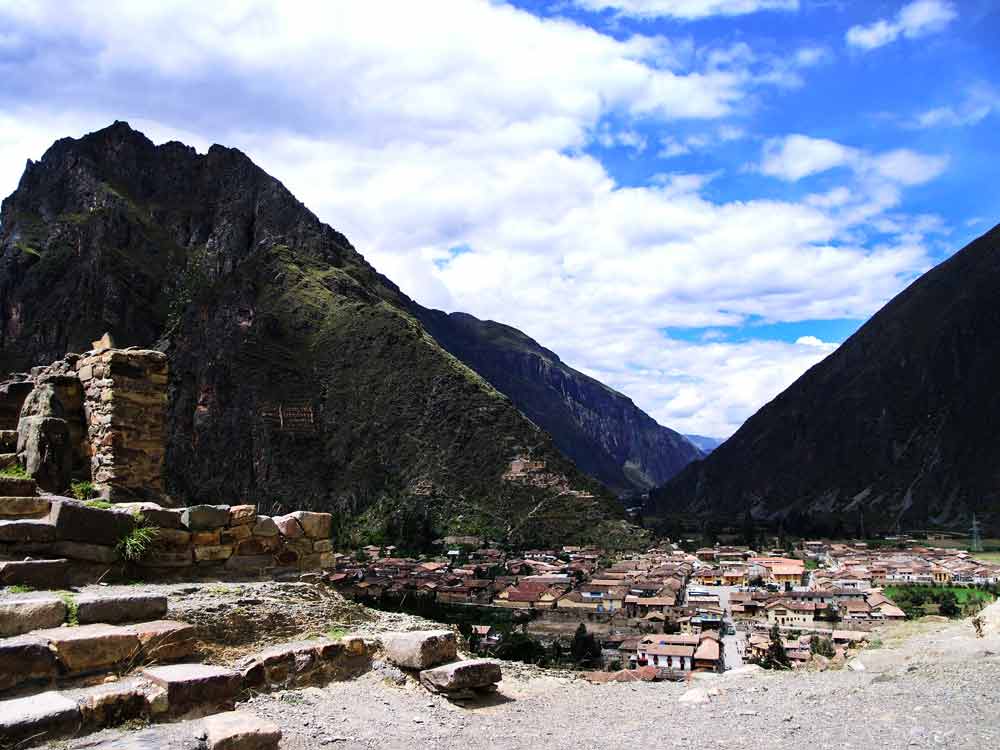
(897, 426)
(705, 444)
(606, 434)
(261, 306)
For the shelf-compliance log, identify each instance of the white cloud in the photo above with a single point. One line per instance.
(980, 101)
(468, 128)
(686, 9)
(914, 20)
(796, 156)
(793, 157)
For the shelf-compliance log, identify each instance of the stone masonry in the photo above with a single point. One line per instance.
(125, 399)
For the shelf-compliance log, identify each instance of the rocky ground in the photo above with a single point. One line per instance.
(931, 685)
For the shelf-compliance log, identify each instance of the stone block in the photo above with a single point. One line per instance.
(242, 515)
(474, 674)
(163, 559)
(315, 525)
(77, 522)
(17, 487)
(37, 719)
(240, 730)
(310, 562)
(8, 441)
(115, 608)
(205, 517)
(258, 545)
(25, 659)
(289, 526)
(192, 686)
(24, 507)
(236, 534)
(166, 640)
(39, 574)
(27, 530)
(420, 649)
(24, 614)
(213, 554)
(265, 527)
(91, 647)
(327, 560)
(205, 538)
(87, 552)
(156, 515)
(301, 546)
(110, 704)
(172, 538)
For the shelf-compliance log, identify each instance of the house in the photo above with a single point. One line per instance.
(791, 614)
(708, 657)
(487, 635)
(666, 652)
(525, 596)
(596, 598)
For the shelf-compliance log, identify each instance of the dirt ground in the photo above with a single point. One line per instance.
(932, 685)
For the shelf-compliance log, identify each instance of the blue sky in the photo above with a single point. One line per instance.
(692, 200)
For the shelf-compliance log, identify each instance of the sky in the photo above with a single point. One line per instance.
(692, 200)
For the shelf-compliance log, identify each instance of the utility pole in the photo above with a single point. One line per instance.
(977, 539)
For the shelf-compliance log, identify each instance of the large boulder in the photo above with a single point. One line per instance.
(460, 676)
(44, 447)
(420, 649)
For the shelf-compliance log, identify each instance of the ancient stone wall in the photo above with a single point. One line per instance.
(125, 400)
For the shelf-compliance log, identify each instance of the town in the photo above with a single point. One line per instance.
(706, 610)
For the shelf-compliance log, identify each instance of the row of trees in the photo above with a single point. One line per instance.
(514, 645)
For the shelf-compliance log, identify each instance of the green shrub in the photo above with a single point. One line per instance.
(136, 544)
(83, 490)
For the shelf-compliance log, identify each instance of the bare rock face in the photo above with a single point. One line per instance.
(460, 676)
(420, 649)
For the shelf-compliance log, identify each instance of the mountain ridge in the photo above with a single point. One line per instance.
(893, 429)
(259, 303)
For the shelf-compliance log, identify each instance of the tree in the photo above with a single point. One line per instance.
(822, 646)
(776, 657)
(948, 604)
(585, 647)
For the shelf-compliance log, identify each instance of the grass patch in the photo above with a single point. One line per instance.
(19, 589)
(336, 633)
(136, 544)
(72, 610)
(27, 249)
(99, 504)
(15, 470)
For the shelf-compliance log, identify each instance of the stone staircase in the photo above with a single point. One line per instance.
(71, 665)
(25, 526)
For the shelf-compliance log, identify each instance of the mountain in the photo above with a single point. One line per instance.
(262, 307)
(705, 444)
(898, 425)
(605, 434)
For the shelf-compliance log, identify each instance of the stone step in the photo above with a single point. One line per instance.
(60, 715)
(32, 506)
(113, 609)
(8, 440)
(26, 531)
(38, 574)
(23, 613)
(196, 688)
(17, 486)
(58, 654)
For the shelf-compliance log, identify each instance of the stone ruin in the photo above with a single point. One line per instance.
(99, 416)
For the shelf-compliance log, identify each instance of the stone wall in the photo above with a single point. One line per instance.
(198, 540)
(125, 400)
